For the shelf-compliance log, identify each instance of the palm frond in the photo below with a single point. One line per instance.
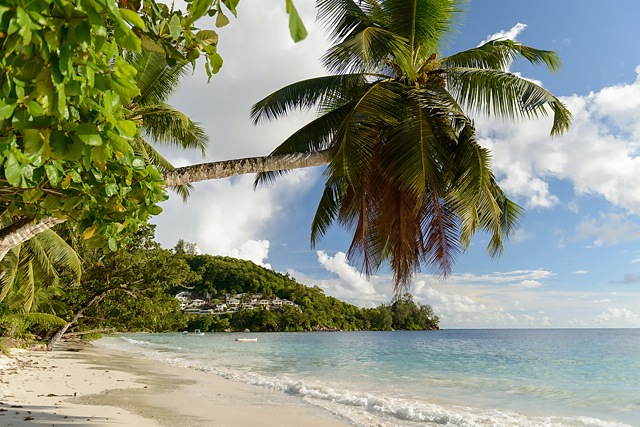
(327, 210)
(156, 80)
(145, 150)
(54, 252)
(304, 95)
(166, 125)
(476, 197)
(440, 228)
(424, 23)
(370, 50)
(343, 17)
(495, 92)
(10, 267)
(45, 319)
(500, 54)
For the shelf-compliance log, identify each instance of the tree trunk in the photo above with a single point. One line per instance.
(25, 229)
(227, 168)
(54, 340)
(22, 231)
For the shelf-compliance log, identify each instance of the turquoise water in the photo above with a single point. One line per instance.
(550, 377)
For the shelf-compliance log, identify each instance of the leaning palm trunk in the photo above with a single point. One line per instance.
(22, 231)
(227, 168)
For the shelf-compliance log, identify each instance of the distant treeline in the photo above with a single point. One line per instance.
(134, 290)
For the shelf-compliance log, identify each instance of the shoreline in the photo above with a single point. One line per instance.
(103, 387)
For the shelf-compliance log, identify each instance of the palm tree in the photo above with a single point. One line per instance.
(407, 174)
(31, 270)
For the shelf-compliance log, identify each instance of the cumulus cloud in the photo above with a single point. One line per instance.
(510, 34)
(348, 274)
(609, 229)
(227, 217)
(599, 154)
(618, 316)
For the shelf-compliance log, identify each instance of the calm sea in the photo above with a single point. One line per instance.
(550, 377)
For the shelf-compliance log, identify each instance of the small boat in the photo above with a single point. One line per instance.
(247, 339)
(198, 332)
(184, 333)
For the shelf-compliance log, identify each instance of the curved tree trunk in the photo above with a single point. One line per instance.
(227, 168)
(22, 231)
(54, 340)
(25, 229)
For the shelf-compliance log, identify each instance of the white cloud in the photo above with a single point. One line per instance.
(614, 317)
(510, 34)
(528, 284)
(581, 272)
(228, 217)
(609, 229)
(599, 154)
(338, 265)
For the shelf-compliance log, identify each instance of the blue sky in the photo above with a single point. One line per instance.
(575, 261)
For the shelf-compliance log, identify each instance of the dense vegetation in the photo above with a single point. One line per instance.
(219, 276)
(134, 289)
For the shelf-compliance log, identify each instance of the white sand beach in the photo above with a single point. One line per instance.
(100, 387)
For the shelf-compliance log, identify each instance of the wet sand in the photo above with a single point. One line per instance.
(102, 387)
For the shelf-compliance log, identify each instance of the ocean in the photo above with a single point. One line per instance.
(545, 377)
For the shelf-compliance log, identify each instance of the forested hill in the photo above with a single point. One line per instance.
(136, 289)
(222, 278)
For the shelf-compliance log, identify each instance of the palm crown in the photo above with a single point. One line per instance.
(408, 176)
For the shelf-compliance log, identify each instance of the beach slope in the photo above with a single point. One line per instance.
(103, 387)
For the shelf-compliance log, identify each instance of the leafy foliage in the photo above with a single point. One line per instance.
(67, 140)
(133, 284)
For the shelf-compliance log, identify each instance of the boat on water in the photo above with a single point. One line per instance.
(247, 339)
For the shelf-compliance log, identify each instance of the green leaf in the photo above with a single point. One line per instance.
(221, 20)
(52, 174)
(216, 62)
(207, 36)
(13, 171)
(33, 141)
(175, 27)
(6, 110)
(35, 109)
(128, 127)
(198, 9)
(231, 5)
(111, 189)
(133, 18)
(296, 26)
(31, 196)
(113, 246)
(138, 164)
(88, 134)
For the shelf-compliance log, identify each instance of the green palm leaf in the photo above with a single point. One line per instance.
(306, 94)
(500, 54)
(495, 92)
